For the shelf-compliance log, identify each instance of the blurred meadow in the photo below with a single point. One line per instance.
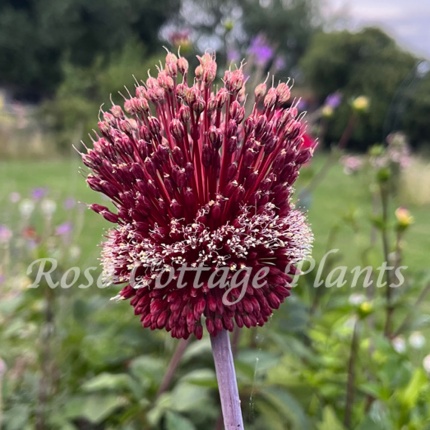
(347, 354)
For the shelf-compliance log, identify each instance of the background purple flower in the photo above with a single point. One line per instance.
(333, 100)
(302, 105)
(233, 56)
(14, 197)
(64, 229)
(69, 203)
(279, 63)
(38, 193)
(261, 50)
(351, 164)
(5, 234)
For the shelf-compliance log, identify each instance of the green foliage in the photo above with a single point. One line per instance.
(366, 63)
(289, 26)
(36, 35)
(84, 89)
(221, 26)
(293, 372)
(414, 109)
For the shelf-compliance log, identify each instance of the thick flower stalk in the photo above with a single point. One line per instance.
(202, 199)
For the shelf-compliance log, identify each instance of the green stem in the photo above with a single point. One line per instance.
(331, 159)
(1, 400)
(227, 384)
(350, 384)
(389, 308)
(46, 381)
(409, 316)
(173, 365)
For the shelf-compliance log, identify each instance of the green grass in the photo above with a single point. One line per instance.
(63, 179)
(341, 206)
(337, 198)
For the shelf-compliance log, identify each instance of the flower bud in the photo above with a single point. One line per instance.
(104, 127)
(165, 81)
(182, 65)
(177, 129)
(260, 91)
(215, 137)
(237, 112)
(185, 114)
(171, 64)
(361, 104)
(117, 111)
(404, 219)
(154, 125)
(221, 98)
(234, 80)
(231, 171)
(199, 72)
(206, 155)
(141, 92)
(270, 99)
(364, 309)
(199, 106)
(208, 68)
(176, 208)
(283, 93)
(327, 111)
(151, 83)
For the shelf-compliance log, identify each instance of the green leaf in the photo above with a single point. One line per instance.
(267, 418)
(369, 424)
(187, 397)
(163, 403)
(330, 421)
(94, 408)
(175, 421)
(201, 377)
(250, 363)
(288, 407)
(149, 370)
(16, 418)
(107, 381)
(410, 394)
(197, 350)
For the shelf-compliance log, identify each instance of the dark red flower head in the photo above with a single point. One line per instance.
(206, 231)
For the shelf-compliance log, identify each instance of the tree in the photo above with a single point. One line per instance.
(218, 24)
(413, 108)
(36, 35)
(289, 25)
(365, 63)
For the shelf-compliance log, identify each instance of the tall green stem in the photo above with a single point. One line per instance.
(389, 308)
(350, 384)
(173, 365)
(331, 159)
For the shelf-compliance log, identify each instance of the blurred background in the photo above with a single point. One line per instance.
(345, 355)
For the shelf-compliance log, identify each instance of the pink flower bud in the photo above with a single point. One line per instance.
(182, 65)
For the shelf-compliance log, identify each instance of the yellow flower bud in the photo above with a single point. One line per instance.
(365, 309)
(228, 25)
(327, 111)
(361, 104)
(404, 218)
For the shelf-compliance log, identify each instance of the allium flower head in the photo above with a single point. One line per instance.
(197, 186)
